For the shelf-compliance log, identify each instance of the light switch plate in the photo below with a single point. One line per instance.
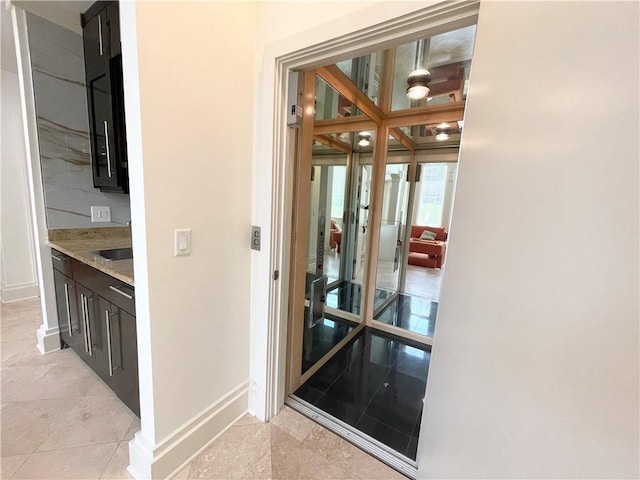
(182, 242)
(100, 214)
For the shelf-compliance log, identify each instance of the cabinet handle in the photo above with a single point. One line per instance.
(117, 290)
(100, 32)
(88, 324)
(107, 317)
(66, 298)
(57, 258)
(106, 136)
(84, 322)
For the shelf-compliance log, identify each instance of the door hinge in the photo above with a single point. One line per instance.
(276, 274)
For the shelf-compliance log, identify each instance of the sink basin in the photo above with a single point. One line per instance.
(116, 253)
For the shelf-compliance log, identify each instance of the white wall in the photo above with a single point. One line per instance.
(534, 371)
(19, 278)
(190, 110)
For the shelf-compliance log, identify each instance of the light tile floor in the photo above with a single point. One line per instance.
(59, 421)
(420, 281)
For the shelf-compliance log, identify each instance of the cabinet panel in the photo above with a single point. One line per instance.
(123, 356)
(68, 318)
(96, 45)
(85, 303)
(105, 97)
(113, 18)
(103, 147)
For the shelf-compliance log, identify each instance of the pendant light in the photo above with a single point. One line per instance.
(417, 81)
(442, 132)
(364, 139)
(420, 77)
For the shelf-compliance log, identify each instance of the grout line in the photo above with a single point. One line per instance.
(21, 464)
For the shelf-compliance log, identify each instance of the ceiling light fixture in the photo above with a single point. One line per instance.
(418, 81)
(442, 131)
(364, 139)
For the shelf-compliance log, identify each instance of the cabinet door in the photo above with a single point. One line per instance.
(113, 19)
(103, 147)
(96, 44)
(123, 357)
(86, 301)
(68, 318)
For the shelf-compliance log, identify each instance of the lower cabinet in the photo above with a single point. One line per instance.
(121, 353)
(69, 321)
(96, 314)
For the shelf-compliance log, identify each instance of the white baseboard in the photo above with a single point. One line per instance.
(173, 453)
(48, 339)
(20, 292)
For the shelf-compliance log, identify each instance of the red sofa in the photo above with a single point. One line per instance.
(427, 253)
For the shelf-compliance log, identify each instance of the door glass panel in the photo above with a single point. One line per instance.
(325, 270)
(364, 72)
(330, 104)
(392, 229)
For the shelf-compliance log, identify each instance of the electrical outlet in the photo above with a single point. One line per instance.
(100, 214)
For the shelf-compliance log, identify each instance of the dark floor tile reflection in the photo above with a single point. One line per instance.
(411, 313)
(376, 384)
(317, 341)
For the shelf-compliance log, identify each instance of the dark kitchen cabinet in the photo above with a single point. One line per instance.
(68, 318)
(105, 97)
(96, 313)
(92, 347)
(122, 353)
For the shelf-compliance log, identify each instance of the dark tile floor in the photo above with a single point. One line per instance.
(375, 384)
(318, 340)
(411, 313)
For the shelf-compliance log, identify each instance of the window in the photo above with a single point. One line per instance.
(431, 194)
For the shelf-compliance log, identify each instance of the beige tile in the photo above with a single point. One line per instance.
(290, 459)
(26, 354)
(240, 452)
(17, 331)
(117, 467)
(93, 420)
(247, 419)
(70, 463)
(100, 389)
(133, 429)
(11, 464)
(16, 379)
(183, 474)
(293, 423)
(25, 425)
(40, 382)
(344, 455)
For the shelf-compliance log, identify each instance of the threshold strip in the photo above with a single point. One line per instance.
(379, 450)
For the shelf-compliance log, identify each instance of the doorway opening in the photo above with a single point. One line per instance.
(374, 177)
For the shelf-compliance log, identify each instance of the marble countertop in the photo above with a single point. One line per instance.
(81, 243)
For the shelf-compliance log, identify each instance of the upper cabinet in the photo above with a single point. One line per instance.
(105, 97)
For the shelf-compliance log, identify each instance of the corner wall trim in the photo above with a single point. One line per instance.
(48, 339)
(179, 447)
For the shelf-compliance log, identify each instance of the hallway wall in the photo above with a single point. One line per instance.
(188, 75)
(535, 364)
(19, 278)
